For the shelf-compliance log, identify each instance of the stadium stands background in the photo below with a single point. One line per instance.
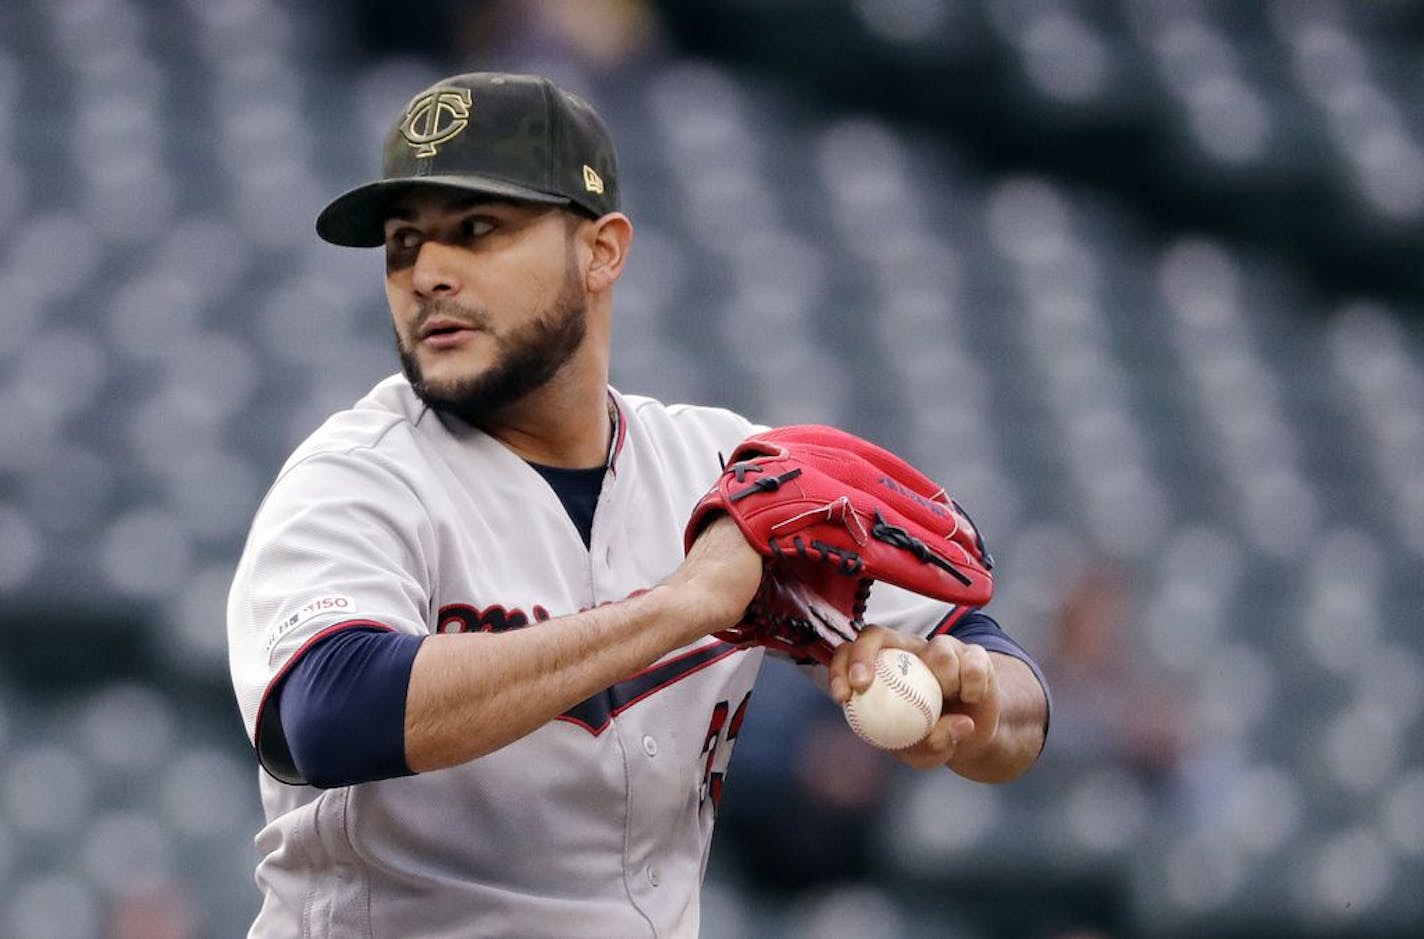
(1139, 281)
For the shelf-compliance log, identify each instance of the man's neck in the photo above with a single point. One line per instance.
(555, 427)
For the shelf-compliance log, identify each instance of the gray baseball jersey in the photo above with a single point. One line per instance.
(596, 824)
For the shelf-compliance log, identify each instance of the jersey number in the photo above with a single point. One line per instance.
(717, 749)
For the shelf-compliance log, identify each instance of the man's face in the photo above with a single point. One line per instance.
(486, 299)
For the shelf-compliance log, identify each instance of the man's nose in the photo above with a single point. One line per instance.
(435, 274)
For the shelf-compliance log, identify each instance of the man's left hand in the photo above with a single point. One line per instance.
(966, 673)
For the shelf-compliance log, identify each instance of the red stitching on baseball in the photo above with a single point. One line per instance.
(897, 683)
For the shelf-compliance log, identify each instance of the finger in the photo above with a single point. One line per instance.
(957, 729)
(838, 672)
(943, 655)
(872, 639)
(917, 757)
(938, 747)
(860, 656)
(976, 674)
(852, 666)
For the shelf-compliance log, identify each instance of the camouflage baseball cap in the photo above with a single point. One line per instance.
(516, 137)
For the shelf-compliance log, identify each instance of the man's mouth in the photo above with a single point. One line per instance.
(445, 331)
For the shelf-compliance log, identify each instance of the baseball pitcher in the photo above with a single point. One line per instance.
(496, 627)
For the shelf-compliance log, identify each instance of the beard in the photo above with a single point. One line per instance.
(526, 358)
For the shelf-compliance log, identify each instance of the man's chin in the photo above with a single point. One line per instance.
(473, 398)
(448, 377)
(445, 387)
(447, 394)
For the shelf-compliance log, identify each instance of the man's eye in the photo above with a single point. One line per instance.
(404, 240)
(476, 226)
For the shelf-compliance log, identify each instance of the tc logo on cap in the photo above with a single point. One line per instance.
(435, 117)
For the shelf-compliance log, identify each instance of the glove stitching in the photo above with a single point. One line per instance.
(900, 538)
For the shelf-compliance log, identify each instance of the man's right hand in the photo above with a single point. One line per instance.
(718, 578)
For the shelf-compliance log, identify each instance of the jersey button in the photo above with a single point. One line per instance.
(650, 747)
(652, 875)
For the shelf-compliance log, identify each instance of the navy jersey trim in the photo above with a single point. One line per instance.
(595, 713)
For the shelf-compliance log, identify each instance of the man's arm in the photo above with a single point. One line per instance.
(995, 709)
(472, 693)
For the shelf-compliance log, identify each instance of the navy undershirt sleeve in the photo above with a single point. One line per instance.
(981, 629)
(343, 707)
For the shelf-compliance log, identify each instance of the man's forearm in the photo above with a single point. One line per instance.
(472, 693)
(1022, 722)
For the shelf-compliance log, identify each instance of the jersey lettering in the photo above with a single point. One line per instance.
(463, 618)
(709, 749)
(336, 603)
(714, 770)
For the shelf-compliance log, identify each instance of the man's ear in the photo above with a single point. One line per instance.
(611, 238)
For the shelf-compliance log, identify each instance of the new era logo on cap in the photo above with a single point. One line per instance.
(517, 137)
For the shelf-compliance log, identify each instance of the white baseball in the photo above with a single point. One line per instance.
(900, 706)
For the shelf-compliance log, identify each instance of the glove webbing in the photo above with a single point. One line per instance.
(821, 623)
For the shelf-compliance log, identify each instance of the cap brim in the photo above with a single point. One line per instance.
(357, 219)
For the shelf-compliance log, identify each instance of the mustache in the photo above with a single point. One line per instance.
(446, 308)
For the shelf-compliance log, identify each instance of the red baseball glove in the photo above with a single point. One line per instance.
(831, 514)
